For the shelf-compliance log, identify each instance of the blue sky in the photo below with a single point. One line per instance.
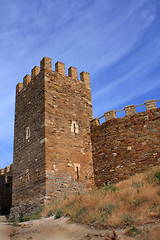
(116, 41)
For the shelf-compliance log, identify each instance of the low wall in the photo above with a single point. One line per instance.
(125, 146)
(5, 190)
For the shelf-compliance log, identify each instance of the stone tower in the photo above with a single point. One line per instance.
(52, 145)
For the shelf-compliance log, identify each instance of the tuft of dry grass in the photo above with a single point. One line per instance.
(130, 202)
(147, 233)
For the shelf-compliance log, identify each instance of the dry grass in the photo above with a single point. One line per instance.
(147, 233)
(131, 202)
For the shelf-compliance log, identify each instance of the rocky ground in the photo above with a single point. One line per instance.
(60, 229)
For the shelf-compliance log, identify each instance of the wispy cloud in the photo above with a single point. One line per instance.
(140, 70)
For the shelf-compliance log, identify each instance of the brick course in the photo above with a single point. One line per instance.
(125, 146)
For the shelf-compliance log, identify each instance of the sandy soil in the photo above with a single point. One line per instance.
(50, 229)
(5, 231)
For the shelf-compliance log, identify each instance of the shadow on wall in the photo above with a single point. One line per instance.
(5, 194)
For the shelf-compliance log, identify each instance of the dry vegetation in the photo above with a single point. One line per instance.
(127, 210)
(130, 203)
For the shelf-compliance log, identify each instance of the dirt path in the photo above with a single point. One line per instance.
(5, 231)
(50, 229)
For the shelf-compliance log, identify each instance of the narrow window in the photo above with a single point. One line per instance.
(77, 170)
(74, 127)
(27, 176)
(27, 133)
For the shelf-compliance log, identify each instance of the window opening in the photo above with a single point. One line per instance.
(77, 173)
(74, 127)
(27, 133)
(27, 177)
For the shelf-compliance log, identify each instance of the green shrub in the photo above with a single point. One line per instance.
(108, 208)
(133, 231)
(94, 219)
(127, 220)
(58, 214)
(36, 215)
(157, 175)
(111, 188)
(80, 213)
(137, 185)
(21, 217)
(12, 220)
(71, 204)
(50, 213)
(153, 176)
(135, 203)
(104, 217)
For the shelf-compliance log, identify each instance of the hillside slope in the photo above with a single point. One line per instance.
(129, 204)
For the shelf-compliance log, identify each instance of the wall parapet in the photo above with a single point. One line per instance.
(125, 146)
(6, 171)
(46, 65)
(129, 110)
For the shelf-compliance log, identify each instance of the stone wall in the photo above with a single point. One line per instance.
(29, 179)
(68, 112)
(52, 136)
(5, 190)
(127, 145)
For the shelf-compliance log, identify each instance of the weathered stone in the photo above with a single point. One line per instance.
(5, 190)
(52, 126)
(137, 148)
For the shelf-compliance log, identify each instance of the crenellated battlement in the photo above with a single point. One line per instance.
(58, 150)
(129, 110)
(46, 66)
(124, 146)
(6, 171)
(52, 143)
(2, 171)
(26, 80)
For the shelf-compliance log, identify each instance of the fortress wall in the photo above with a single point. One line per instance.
(68, 112)
(127, 145)
(52, 145)
(29, 148)
(5, 190)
